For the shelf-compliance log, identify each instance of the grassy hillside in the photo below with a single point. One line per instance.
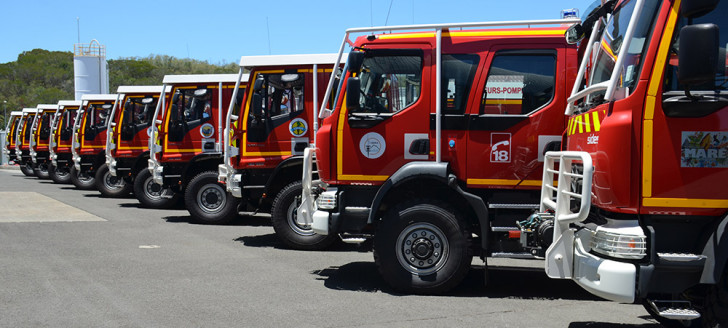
(41, 76)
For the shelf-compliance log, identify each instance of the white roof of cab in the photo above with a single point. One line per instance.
(48, 106)
(203, 78)
(156, 89)
(279, 60)
(100, 97)
(30, 110)
(16, 113)
(70, 103)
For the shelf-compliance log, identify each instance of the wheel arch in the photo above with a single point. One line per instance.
(423, 179)
(198, 164)
(716, 252)
(289, 170)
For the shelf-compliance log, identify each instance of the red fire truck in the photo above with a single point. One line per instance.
(188, 143)
(640, 205)
(89, 138)
(61, 134)
(40, 139)
(434, 146)
(11, 129)
(22, 141)
(127, 145)
(264, 143)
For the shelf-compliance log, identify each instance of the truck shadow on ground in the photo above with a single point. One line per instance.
(272, 241)
(240, 220)
(504, 282)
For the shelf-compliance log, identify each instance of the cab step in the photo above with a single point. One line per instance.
(515, 206)
(354, 238)
(680, 257)
(674, 310)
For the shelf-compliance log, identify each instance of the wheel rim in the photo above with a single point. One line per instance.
(151, 189)
(291, 215)
(112, 183)
(211, 198)
(84, 177)
(422, 248)
(62, 173)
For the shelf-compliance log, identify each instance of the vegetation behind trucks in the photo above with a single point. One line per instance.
(640, 203)
(437, 135)
(266, 138)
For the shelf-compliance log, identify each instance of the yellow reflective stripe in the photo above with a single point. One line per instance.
(504, 182)
(597, 124)
(647, 159)
(586, 123)
(471, 34)
(685, 202)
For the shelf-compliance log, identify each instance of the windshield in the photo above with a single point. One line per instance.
(613, 37)
(139, 110)
(390, 81)
(28, 122)
(44, 128)
(191, 105)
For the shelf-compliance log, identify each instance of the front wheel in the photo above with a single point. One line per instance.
(283, 217)
(151, 194)
(27, 169)
(422, 247)
(41, 171)
(208, 202)
(716, 308)
(82, 180)
(109, 185)
(59, 174)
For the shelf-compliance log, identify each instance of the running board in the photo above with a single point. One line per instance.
(515, 206)
(674, 310)
(354, 238)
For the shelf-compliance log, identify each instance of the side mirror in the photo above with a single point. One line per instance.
(257, 104)
(353, 88)
(698, 56)
(697, 8)
(574, 34)
(355, 60)
(258, 84)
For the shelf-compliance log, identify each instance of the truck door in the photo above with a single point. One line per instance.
(519, 112)
(390, 127)
(94, 136)
(686, 142)
(190, 112)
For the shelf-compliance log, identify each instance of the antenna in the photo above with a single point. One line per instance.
(388, 11)
(371, 13)
(268, 28)
(78, 29)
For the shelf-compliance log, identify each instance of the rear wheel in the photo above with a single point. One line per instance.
(82, 180)
(283, 217)
(27, 169)
(41, 170)
(422, 247)
(208, 202)
(109, 185)
(151, 194)
(59, 174)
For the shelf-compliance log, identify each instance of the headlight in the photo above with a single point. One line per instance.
(326, 200)
(625, 241)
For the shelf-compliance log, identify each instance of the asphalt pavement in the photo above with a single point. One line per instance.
(71, 258)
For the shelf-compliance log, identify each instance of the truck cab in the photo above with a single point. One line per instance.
(127, 143)
(435, 143)
(11, 129)
(637, 194)
(22, 141)
(89, 138)
(62, 140)
(41, 138)
(188, 137)
(266, 137)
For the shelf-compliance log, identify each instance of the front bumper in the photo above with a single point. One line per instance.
(609, 279)
(111, 164)
(77, 162)
(157, 171)
(231, 180)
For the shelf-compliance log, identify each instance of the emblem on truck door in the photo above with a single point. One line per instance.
(298, 127)
(207, 130)
(704, 149)
(372, 145)
(500, 150)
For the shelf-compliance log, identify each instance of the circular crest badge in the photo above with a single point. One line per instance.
(372, 145)
(298, 127)
(207, 130)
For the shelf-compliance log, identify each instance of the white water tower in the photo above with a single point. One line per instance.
(89, 68)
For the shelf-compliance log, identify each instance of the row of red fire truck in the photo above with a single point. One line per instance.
(597, 145)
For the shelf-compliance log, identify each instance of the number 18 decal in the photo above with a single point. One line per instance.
(500, 149)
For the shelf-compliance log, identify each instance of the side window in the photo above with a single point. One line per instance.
(28, 125)
(45, 128)
(718, 17)
(457, 77)
(519, 82)
(139, 110)
(277, 96)
(191, 105)
(390, 82)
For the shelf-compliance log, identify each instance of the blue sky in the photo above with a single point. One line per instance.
(222, 31)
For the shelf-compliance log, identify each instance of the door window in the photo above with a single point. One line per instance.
(390, 81)
(519, 82)
(457, 77)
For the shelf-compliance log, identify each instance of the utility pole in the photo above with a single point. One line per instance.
(5, 113)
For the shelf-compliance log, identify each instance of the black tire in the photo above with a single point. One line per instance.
(208, 202)
(283, 217)
(41, 171)
(422, 247)
(27, 169)
(716, 307)
(149, 193)
(109, 185)
(82, 181)
(59, 175)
